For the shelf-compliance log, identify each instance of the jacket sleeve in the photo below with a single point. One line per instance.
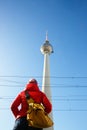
(15, 104)
(47, 104)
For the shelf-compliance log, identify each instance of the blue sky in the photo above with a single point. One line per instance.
(23, 26)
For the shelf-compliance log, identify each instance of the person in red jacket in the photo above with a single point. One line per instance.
(19, 106)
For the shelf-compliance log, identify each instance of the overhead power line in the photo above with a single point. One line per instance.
(55, 96)
(71, 110)
(54, 99)
(55, 110)
(57, 86)
(19, 76)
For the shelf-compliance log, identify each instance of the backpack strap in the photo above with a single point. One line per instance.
(28, 98)
(27, 95)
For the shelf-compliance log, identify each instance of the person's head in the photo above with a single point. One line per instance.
(33, 81)
(32, 85)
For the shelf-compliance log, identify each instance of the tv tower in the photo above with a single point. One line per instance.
(46, 50)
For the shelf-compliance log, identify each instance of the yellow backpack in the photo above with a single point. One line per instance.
(36, 115)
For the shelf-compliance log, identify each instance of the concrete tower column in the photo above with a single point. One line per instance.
(46, 50)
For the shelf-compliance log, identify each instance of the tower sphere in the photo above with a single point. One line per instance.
(46, 48)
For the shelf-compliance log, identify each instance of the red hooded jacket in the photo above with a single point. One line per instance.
(19, 106)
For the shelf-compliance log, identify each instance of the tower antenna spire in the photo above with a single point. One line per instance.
(46, 35)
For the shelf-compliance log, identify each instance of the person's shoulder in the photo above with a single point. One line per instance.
(22, 92)
(43, 94)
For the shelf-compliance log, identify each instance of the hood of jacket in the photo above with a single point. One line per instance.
(32, 87)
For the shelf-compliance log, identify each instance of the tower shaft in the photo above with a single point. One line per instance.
(46, 50)
(46, 88)
(46, 77)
